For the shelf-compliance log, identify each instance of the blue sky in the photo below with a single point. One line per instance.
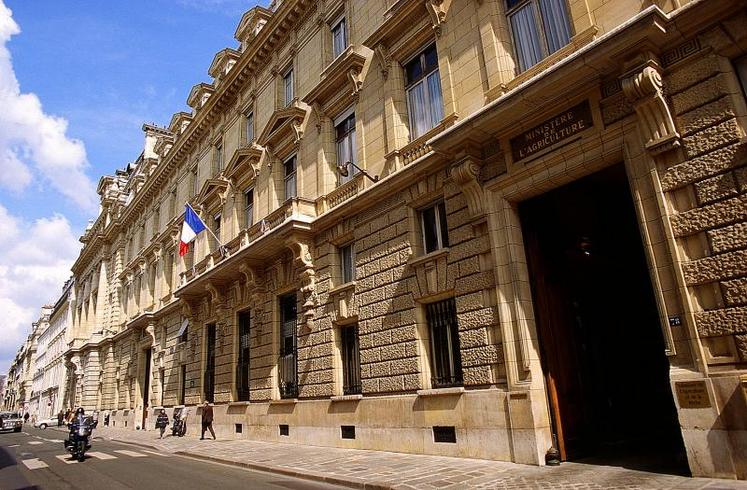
(103, 68)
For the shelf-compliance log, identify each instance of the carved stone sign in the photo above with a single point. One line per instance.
(692, 394)
(551, 131)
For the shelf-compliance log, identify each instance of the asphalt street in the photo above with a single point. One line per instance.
(36, 459)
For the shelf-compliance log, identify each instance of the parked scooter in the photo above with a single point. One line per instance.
(179, 427)
(81, 429)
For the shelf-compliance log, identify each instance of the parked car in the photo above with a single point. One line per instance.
(45, 422)
(11, 421)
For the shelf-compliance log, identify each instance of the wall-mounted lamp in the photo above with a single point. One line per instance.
(342, 169)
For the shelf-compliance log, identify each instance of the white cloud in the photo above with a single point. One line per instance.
(28, 136)
(34, 265)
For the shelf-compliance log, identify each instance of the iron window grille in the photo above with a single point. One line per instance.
(446, 360)
(539, 28)
(425, 106)
(434, 227)
(289, 173)
(242, 365)
(351, 364)
(287, 362)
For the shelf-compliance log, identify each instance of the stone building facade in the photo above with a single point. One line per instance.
(480, 228)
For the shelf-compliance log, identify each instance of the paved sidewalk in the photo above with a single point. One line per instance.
(379, 469)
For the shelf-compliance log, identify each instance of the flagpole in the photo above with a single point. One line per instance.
(220, 244)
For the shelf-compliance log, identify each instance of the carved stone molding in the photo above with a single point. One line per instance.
(437, 13)
(385, 60)
(254, 286)
(217, 298)
(307, 275)
(643, 87)
(466, 174)
(356, 80)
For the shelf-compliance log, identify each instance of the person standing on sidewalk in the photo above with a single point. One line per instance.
(162, 422)
(207, 420)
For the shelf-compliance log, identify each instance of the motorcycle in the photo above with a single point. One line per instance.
(179, 427)
(80, 433)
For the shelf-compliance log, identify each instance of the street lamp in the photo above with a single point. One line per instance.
(342, 169)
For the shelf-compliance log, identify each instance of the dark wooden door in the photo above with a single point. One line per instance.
(209, 375)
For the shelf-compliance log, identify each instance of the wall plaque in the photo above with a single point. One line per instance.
(553, 130)
(692, 394)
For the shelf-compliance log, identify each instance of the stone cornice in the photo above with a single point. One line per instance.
(340, 80)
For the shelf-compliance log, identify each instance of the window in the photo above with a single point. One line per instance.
(347, 263)
(339, 38)
(289, 172)
(434, 228)
(539, 28)
(345, 139)
(249, 207)
(172, 203)
(195, 182)
(249, 128)
(423, 85)
(183, 334)
(218, 157)
(217, 220)
(156, 222)
(242, 365)
(351, 366)
(446, 361)
(288, 87)
(169, 270)
(287, 381)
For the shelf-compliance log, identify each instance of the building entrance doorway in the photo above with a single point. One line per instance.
(601, 344)
(146, 387)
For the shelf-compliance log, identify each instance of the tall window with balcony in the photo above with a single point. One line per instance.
(339, 37)
(242, 361)
(287, 374)
(423, 85)
(446, 361)
(345, 141)
(195, 183)
(351, 364)
(434, 228)
(249, 207)
(539, 28)
(289, 175)
(288, 92)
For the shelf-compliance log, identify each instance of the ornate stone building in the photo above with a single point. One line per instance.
(476, 228)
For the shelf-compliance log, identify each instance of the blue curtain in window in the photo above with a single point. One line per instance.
(436, 100)
(555, 17)
(526, 36)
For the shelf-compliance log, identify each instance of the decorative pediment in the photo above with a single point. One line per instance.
(244, 159)
(214, 190)
(420, 19)
(224, 60)
(251, 23)
(199, 95)
(179, 122)
(340, 82)
(283, 131)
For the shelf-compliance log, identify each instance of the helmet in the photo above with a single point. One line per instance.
(79, 411)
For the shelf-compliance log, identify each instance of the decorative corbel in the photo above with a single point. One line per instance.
(297, 131)
(319, 115)
(385, 60)
(307, 275)
(216, 296)
(354, 76)
(643, 87)
(255, 284)
(466, 173)
(438, 14)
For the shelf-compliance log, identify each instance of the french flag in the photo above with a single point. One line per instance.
(191, 227)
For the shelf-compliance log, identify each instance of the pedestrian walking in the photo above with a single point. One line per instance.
(25, 417)
(207, 420)
(162, 421)
(60, 418)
